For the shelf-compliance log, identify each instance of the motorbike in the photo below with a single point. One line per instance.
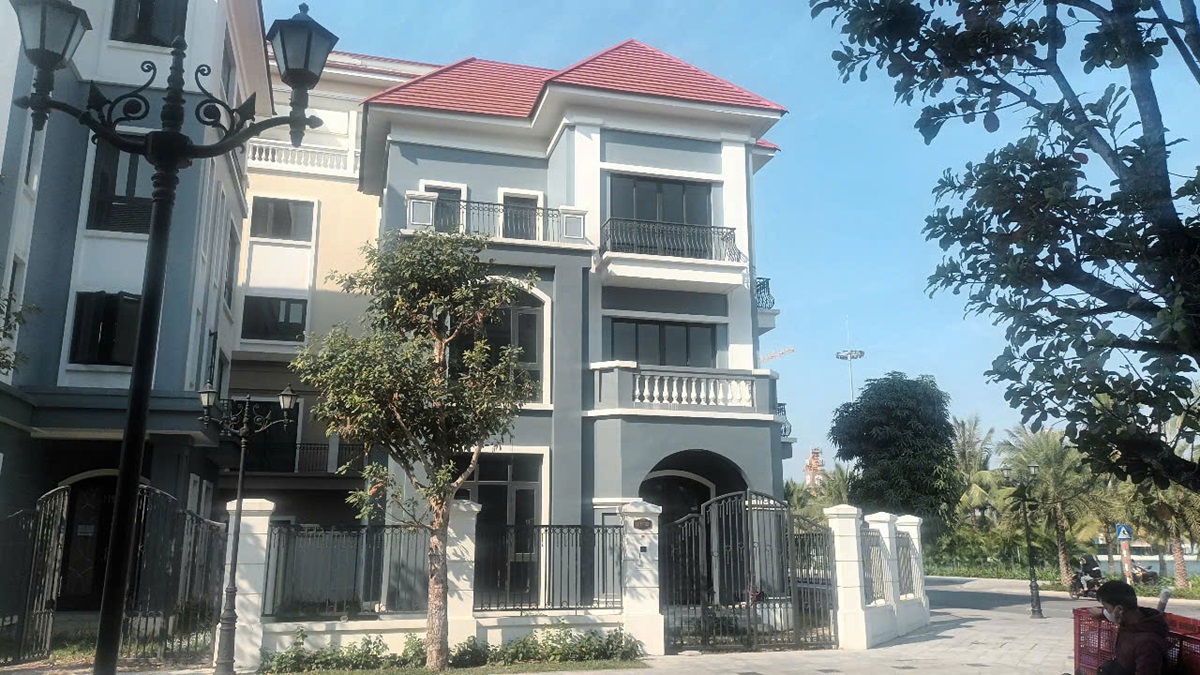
(1143, 576)
(1079, 589)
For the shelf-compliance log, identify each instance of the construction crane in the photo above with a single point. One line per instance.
(776, 354)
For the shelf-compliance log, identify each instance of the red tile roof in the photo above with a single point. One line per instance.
(472, 86)
(640, 69)
(764, 143)
(493, 88)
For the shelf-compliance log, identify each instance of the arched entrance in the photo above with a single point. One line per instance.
(89, 518)
(684, 481)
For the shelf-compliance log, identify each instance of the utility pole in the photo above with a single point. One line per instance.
(850, 355)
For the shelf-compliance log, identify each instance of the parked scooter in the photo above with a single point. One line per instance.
(1143, 576)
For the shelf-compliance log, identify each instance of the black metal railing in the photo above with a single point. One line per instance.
(498, 220)
(874, 566)
(907, 563)
(762, 293)
(623, 235)
(785, 427)
(312, 458)
(345, 571)
(354, 455)
(549, 567)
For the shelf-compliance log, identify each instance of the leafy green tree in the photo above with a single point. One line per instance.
(1060, 490)
(418, 382)
(1082, 235)
(898, 436)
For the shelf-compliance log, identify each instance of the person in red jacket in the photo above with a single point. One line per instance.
(1141, 647)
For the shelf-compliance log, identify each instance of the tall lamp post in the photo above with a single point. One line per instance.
(1022, 486)
(51, 31)
(242, 420)
(850, 356)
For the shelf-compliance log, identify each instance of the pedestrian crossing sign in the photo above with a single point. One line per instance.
(1124, 532)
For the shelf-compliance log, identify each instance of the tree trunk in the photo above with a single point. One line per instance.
(1060, 540)
(1162, 562)
(1108, 546)
(1181, 571)
(437, 625)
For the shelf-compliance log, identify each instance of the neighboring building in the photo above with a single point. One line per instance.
(625, 182)
(74, 217)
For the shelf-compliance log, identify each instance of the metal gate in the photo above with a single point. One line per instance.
(744, 574)
(31, 546)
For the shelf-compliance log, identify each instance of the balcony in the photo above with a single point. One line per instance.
(500, 221)
(672, 256)
(301, 458)
(764, 302)
(264, 154)
(626, 385)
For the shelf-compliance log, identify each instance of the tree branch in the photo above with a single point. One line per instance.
(1133, 304)
(1148, 346)
(1090, 7)
(1184, 52)
(1191, 26)
(1095, 141)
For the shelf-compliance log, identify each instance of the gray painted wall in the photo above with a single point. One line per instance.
(665, 152)
(560, 177)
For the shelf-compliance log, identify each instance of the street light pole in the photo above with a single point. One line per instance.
(850, 356)
(242, 423)
(51, 31)
(1035, 594)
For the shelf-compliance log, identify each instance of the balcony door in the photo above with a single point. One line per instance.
(448, 209)
(661, 217)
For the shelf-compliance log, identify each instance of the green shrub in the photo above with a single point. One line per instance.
(521, 650)
(469, 654)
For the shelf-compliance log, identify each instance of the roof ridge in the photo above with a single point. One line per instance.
(593, 57)
(387, 58)
(420, 78)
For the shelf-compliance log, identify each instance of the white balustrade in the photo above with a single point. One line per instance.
(265, 154)
(694, 390)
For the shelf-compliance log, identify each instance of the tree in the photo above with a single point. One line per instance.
(834, 489)
(973, 455)
(1061, 488)
(899, 436)
(1082, 235)
(419, 382)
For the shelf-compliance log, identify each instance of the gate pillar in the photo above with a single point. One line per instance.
(844, 523)
(460, 570)
(640, 591)
(251, 580)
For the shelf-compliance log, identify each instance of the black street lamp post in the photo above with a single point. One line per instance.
(1022, 494)
(243, 421)
(51, 30)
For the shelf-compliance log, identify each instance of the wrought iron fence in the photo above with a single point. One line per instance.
(874, 566)
(621, 235)
(509, 221)
(345, 571)
(906, 557)
(785, 427)
(174, 596)
(762, 293)
(549, 567)
(312, 458)
(16, 550)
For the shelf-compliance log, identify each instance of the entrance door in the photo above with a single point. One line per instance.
(507, 548)
(89, 519)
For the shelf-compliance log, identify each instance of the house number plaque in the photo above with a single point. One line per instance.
(642, 524)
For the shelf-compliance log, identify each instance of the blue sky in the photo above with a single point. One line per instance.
(839, 211)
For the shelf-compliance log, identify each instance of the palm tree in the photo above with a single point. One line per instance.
(833, 489)
(972, 455)
(1060, 488)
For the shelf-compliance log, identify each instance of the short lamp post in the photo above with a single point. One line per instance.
(51, 31)
(241, 420)
(1022, 486)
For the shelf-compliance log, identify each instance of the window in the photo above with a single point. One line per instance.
(280, 319)
(149, 22)
(105, 328)
(281, 219)
(228, 71)
(520, 217)
(231, 265)
(664, 201)
(519, 326)
(121, 192)
(652, 343)
(447, 210)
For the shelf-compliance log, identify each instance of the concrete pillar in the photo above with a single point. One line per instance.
(847, 555)
(460, 570)
(331, 454)
(251, 579)
(915, 613)
(642, 613)
(885, 525)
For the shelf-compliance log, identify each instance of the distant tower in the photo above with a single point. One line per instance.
(814, 470)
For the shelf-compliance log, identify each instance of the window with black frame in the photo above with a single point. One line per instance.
(121, 196)
(105, 328)
(657, 343)
(518, 326)
(149, 22)
(520, 217)
(448, 209)
(232, 253)
(276, 319)
(651, 215)
(286, 219)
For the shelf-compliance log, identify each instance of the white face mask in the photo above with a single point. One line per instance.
(1110, 616)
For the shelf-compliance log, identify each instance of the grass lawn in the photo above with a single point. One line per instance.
(541, 667)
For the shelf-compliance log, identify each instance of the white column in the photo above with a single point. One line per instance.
(460, 570)
(847, 556)
(916, 611)
(885, 525)
(639, 600)
(331, 458)
(735, 214)
(251, 579)
(586, 150)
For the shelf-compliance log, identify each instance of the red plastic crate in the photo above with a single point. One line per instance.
(1095, 640)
